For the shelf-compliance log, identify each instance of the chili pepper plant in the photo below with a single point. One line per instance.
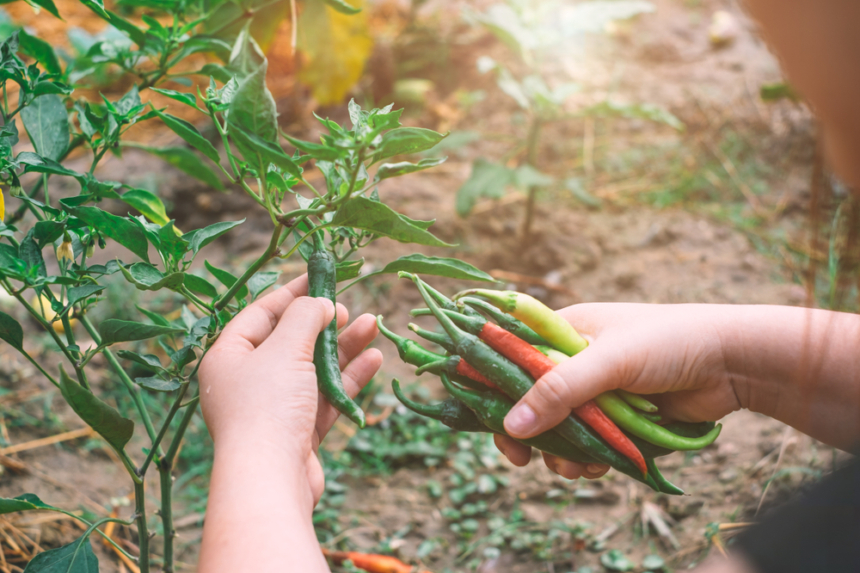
(535, 33)
(50, 242)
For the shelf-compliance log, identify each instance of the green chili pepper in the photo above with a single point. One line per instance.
(686, 429)
(514, 382)
(438, 338)
(545, 321)
(622, 414)
(491, 409)
(451, 412)
(322, 283)
(663, 485)
(637, 401)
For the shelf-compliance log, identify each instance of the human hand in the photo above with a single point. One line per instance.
(672, 351)
(258, 382)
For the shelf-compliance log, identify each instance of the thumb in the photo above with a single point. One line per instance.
(567, 386)
(300, 324)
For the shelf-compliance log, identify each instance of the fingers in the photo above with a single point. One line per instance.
(568, 385)
(355, 338)
(518, 454)
(299, 326)
(255, 323)
(355, 377)
(572, 470)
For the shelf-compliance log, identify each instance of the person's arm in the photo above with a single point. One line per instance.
(259, 397)
(702, 362)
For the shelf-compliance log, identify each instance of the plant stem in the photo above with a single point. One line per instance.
(126, 380)
(531, 159)
(142, 531)
(177, 404)
(267, 255)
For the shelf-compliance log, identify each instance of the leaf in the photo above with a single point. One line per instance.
(114, 330)
(633, 111)
(33, 162)
(253, 107)
(46, 232)
(335, 47)
(246, 56)
(98, 7)
(387, 170)
(261, 281)
(30, 252)
(257, 151)
(199, 238)
(76, 557)
(105, 420)
(185, 160)
(26, 502)
(363, 213)
(147, 204)
(315, 150)
(577, 189)
(49, 6)
(154, 316)
(526, 176)
(486, 180)
(343, 7)
(183, 357)
(505, 23)
(189, 133)
(615, 560)
(347, 270)
(226, 278)
(653, 562)
(41, 51)
(158, 384)
(11, 331)
(120, 229)
(437, 266)
(200, 285)
(186, 98)
(77, 294)
(148, 361)
(404, 140)
(146, 277)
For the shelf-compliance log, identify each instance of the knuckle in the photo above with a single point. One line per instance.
(553, 389)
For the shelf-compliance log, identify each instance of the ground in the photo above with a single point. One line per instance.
(713, 214)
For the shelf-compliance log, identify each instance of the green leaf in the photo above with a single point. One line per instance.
(635, 111)
(200, 285)
(615, 560)
(199, 238)
(487, 180)
(30, 252)
(190, 134)
(77, 294)
(120, 229)
(148, 361)
(387, 170)
(183, 357)
(437, 266)
(26, 502)
(404, 140)
(253, 107)
(158, 384)
(774, 92)
(246, 56)
(186, 98)
(147, 204)
(526, 176)
(261, 281)
(343, 7)
(46, 232)
(653, 563)
(49, 6)
(115, 429)
(315, 150)
(347, 270)
(76, 557)
(154, 317)
(262, 151)
(35, 163)
(41, 51)
(376, 217)
(98, 7)
(11, 331)
(114, 330)
(226, 278)
(185, 160)
(146, 277)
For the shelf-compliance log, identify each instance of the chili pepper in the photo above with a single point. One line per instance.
(491, 409)
(413, 353)
(664, 485)
(506, 321)
(437, 338)
(636, 401)
(441, 299)
(537, 364)
(523, 331)
(545, 321)
(689, 430)
(322, 284)
(656, 418)
(370, 562)
(451, 412)
(623, 415)
(514, 382)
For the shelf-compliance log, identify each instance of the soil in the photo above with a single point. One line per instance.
(626, 251)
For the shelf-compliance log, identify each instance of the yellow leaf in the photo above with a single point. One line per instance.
(335, 47)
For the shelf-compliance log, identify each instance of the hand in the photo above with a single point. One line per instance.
(642, 348)
(258, 384)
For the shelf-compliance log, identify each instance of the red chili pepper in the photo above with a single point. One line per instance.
(370, 562)
(469, 371)
(537, 364)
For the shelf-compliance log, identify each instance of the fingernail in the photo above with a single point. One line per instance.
(594, 468)
(521, 419)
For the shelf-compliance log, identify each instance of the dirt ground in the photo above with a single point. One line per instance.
(631, 249)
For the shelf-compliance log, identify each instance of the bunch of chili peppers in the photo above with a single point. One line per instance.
(498, 344)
